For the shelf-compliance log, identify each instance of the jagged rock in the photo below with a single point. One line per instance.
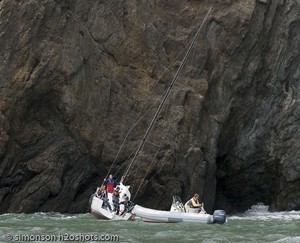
(76, 74)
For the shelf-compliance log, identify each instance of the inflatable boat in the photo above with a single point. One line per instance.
(178, 213)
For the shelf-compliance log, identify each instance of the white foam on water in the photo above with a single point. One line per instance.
(261, 212)
(289, 239)
(59, 216)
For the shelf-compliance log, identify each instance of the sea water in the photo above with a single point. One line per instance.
(255, 225)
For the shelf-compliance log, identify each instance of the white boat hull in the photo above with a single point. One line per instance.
(159, 216)
(101, 213)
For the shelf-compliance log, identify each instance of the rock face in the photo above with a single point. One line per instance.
(76, 75)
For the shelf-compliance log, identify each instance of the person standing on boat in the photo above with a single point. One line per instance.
(193, 203)
(110, 185)
(115, 199)
(101, 193)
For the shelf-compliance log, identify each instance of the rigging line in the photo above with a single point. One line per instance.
(146, 182)
(152, 177)
(127, 135)
(125, 161)
(166, 95)
(144, 104)
(142, 182)
(134, 174)
(159, 146)
(137, 117)
(134, 181)
(153, 159)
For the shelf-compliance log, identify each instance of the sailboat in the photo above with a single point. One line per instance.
(101, 208)
(177, 212)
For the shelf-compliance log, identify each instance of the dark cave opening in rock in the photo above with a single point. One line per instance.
(240, 185)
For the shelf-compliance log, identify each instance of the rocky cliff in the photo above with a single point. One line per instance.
(75, 75)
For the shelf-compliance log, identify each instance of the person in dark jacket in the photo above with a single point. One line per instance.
(116, 199)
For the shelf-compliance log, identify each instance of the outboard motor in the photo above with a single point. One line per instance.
(219, 217)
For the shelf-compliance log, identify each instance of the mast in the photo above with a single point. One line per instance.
(141, 145)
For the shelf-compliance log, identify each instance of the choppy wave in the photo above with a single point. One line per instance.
(257, 224)
(261, 212)
(41, 215)
(289, 239)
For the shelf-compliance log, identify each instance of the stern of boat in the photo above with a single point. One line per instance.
(98, 211)
(218, 217)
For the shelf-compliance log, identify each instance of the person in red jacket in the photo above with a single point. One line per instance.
(110, 184)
